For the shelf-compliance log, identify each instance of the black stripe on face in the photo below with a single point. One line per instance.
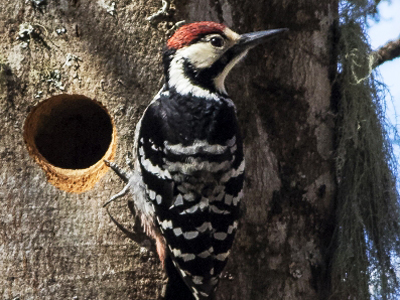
(205, 77)
(168, 55)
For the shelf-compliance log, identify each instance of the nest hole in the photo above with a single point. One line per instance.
(69, 136)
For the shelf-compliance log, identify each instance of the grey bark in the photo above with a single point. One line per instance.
(58, 245)
(387, 52)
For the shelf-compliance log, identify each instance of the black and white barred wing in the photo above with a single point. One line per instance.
(195, 191)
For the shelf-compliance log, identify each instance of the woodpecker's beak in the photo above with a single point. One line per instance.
(252, 39)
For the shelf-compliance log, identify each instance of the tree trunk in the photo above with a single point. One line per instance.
(61, 245)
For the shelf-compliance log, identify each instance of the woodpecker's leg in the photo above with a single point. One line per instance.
(163, 12)
(122, 193)
(117, 169)
(123, 175)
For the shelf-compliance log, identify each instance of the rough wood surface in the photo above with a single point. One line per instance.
(387, 52)
(57, 245)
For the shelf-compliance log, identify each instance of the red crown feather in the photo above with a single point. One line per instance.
(189, 33)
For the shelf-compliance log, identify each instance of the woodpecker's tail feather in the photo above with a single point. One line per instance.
(176, 287)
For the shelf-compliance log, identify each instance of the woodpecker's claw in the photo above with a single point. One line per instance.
(163, 11)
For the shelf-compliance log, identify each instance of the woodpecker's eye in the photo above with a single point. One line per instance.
(217, 41)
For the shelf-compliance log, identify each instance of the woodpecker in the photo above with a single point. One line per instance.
(188, 171)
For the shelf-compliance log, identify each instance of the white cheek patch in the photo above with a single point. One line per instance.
(201, 55)
(182, 83)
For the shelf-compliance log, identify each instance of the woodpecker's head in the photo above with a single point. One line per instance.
(200, 55)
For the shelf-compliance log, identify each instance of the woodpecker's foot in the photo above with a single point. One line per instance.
(163, 12)
(117, 169)
(122, 193)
